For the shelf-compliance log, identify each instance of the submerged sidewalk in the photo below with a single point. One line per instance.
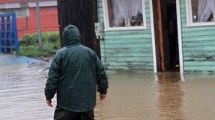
(131, 96)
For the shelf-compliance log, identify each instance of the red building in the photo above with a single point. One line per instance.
(27, 17)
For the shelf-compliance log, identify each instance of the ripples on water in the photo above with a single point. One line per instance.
(131, 96)
(164, 96)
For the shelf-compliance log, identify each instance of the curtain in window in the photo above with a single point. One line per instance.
(124, 10)
(206, 9)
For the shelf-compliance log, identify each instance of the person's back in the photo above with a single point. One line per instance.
(75, 74)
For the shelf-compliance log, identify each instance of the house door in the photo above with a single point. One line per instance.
(166, 35)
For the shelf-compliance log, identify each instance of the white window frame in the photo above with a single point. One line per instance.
(189, 16)
(107, 23)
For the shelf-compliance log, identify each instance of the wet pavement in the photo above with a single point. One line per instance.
(132, 95)
(9, 59)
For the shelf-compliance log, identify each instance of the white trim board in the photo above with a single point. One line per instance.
(179, 36)
(153, 37)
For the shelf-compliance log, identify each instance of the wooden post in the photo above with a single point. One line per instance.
(160, 29)
(82, 14)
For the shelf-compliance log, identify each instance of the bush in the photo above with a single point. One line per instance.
(29, 45)
(29, 40)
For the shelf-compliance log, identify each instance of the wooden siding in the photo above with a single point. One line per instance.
(48, 19)
(198, 45)
(127, 49)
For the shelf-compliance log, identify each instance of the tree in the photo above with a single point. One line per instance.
(82, 14)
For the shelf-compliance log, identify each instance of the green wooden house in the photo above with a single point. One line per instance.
(155, 35)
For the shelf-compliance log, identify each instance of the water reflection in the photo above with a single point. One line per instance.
(171, 96)
(132, 95)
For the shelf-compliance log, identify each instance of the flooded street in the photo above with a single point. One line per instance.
(145, 96)
(131, 96)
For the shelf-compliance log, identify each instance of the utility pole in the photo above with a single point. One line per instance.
(38, 23)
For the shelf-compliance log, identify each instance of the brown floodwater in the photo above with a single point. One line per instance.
(131, 95)
(162, 96)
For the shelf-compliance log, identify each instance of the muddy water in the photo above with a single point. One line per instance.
(164, 96)
(132, 95)
(21, 93)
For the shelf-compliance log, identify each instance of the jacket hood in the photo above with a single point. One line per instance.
(71, 35)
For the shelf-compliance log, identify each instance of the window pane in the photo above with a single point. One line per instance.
(125, 13)
(203, 10)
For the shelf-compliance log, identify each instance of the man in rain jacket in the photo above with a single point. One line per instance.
(75, 74)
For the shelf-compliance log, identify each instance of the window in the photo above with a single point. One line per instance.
(200, 12)
(125, 14)
(20, 13)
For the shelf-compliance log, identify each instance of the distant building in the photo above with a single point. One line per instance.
(26, 15)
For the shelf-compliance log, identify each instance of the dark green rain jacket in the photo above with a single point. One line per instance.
(75, 74)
